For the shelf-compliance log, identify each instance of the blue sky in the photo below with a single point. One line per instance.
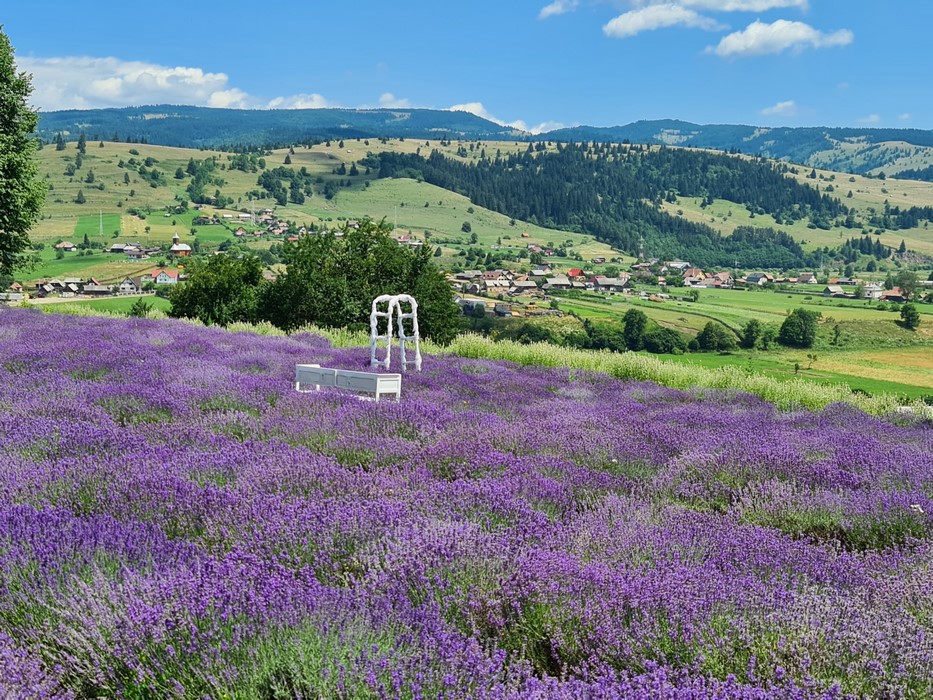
(537, 64)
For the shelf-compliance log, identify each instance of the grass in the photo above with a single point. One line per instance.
(116, 305)
(872, 354)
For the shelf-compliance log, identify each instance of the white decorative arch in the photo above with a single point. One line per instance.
(393, 312)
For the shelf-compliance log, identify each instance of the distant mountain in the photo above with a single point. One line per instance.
(853, 150)
(197, 127)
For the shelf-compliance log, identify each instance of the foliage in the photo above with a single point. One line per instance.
(910, 317)
(21, 191)
(716, 337)
(908, 282)
(634, 334)
(751, 334)
(331, 281)
(799, 328)
(140, 309)
(661, 340)
(220, 290)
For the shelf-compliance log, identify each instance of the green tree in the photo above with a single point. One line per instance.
(662, 340)
(82, 144)
(908, 282)
(80, 198)
(634, 333)
(799, 328)
(910, 317)
(751, 334)
(466, 227)
(768, 336)
(220, 290)
(331, 281)
(140, 309)
(716, 336)
(21, 190)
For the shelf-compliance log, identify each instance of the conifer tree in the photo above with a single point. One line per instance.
(21, 191)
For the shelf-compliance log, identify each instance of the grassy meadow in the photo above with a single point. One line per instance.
(869, 352)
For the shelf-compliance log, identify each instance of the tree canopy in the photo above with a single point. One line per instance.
(21, 191)
(220, 290)
(332, 280)
(799, 328)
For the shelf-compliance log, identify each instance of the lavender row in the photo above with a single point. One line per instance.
(176, 521)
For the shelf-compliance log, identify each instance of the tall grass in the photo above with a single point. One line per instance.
(785, 394)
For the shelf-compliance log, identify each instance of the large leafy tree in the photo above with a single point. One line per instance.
(799, 328)
(21, 191)
(332, 280)
(220, 290)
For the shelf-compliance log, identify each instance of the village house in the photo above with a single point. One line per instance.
(496, 286)
(834, 290)
(807, 278)
(130, 285)
(523, 287)
(66, 246)
(720, 279)
(95, 289)
(612, 284)
(559, 282)
(873, 290)
(894, 294)
(164, 276)
(758, 278)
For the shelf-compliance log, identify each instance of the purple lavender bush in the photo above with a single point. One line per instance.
(178, 522)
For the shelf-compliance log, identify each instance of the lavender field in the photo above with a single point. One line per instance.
(177, 522)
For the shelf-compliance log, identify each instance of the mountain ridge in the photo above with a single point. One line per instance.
(856, 150)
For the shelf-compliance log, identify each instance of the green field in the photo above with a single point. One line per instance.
(869, 352)
(118, 305)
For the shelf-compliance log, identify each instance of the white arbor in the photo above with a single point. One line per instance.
(393, 312)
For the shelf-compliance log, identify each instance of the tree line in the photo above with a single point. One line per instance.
(330, 280)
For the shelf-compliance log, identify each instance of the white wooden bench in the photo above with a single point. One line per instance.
(363, 382)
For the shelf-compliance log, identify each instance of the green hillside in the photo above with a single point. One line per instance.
(132, 209)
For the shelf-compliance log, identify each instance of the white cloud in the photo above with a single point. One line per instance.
(539, 129)
(871, 119)
(301, 101)
(479, 110)
(905, 117)
(743, 5)
(558, 7)
(760, 38)
(787, 108)
(389, 101)
(86, 82)
(655, 17)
